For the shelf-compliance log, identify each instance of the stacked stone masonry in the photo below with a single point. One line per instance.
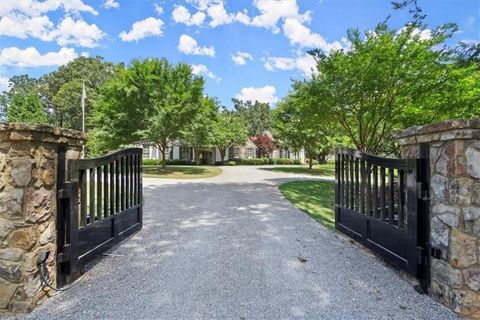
(28, 164)
(454, 209)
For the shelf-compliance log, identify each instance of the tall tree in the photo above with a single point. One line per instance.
(150, 100)
(257, 115)
(200, 132)
(26, 106)
(229, 130)
(21, 85)
(302, 121)
(393, 79)
(62, 89)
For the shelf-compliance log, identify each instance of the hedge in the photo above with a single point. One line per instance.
(157, 162)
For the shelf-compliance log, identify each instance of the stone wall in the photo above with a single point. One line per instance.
(28, 162)
(454, 209)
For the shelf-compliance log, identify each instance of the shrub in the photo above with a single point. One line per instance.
(314, 162)
(151, 162)
(297, 161)
(232, 163)
(266, 161)
(252, 161)
(180, 162)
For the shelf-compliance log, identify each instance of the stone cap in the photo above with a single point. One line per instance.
(441, 131)
(16, 131)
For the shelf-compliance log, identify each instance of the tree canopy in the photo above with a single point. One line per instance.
(150, 100)
(256, 115)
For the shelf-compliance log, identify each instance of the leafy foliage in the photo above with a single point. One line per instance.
(229, 130)
(150, 100)
(26, 106)
(256, 115)
(393, 79)
(61, 89)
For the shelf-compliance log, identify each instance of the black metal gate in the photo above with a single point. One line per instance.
(383, 204)
(99, 204)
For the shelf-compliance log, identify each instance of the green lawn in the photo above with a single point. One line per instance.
(316, 198)
(327, 170)
(181, 172)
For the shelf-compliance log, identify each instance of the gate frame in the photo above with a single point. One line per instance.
(70, 262)
(417, 206)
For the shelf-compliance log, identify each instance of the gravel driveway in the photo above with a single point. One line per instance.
(231, 247)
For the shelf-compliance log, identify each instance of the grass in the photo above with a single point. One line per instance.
(181, 172)
(326, 170)
(316, 198)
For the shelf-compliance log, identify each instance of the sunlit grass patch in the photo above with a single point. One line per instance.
(316, 198)
(181, 172)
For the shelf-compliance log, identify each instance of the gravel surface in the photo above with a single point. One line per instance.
(231, 247)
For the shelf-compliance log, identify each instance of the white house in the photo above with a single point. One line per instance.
(180, 151)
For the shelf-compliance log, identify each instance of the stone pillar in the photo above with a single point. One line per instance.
(28, 170)
(454, 209)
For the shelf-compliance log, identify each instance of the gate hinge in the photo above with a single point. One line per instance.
(64, 256)
(422, 256)
(64, 192)
(422, 191)
(437, 253)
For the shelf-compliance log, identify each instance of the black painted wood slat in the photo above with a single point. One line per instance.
(352, 183)
(401, 198)
(369, 189)
(362, 186)
(383, 193)
(105, 191)
(83, 197)
(91, 198)
(112, 187)
(391, 196)
(375, 192)
(117, 186)
(127, 181)
(357, 185)
(99, 200)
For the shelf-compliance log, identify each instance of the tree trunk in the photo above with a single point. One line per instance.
(222, 154)
(196, 150)
(310, 162)
(163, 150)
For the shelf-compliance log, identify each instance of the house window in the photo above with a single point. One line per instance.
(170, 153)
(184, 153)
(250, 152)
(146, 152)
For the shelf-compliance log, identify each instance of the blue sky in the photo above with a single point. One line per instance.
(249, 49)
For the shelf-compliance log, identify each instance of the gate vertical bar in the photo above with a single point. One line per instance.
(423, 227)
(61, 215)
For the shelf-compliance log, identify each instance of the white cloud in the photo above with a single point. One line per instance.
(181, 15)
(305, 63)
(215, 10)
(158, 8)
(20, 26)
(188, 45)
(23, 19)
(201, 69)
(273, 11)
(34, 8)
(30, 57)
(78, 33)
(261, 94)
(111, 4)
(3, 83)
(144, 28)
(425, 34)
(240, 58)
(299, 34)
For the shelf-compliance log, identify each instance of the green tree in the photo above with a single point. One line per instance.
(150, 100)
(61, 89)
(200, 132)
(22, 84)
(256, 115)
(393, 79)
(301, 120)
(229, 130)
(26, 106)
